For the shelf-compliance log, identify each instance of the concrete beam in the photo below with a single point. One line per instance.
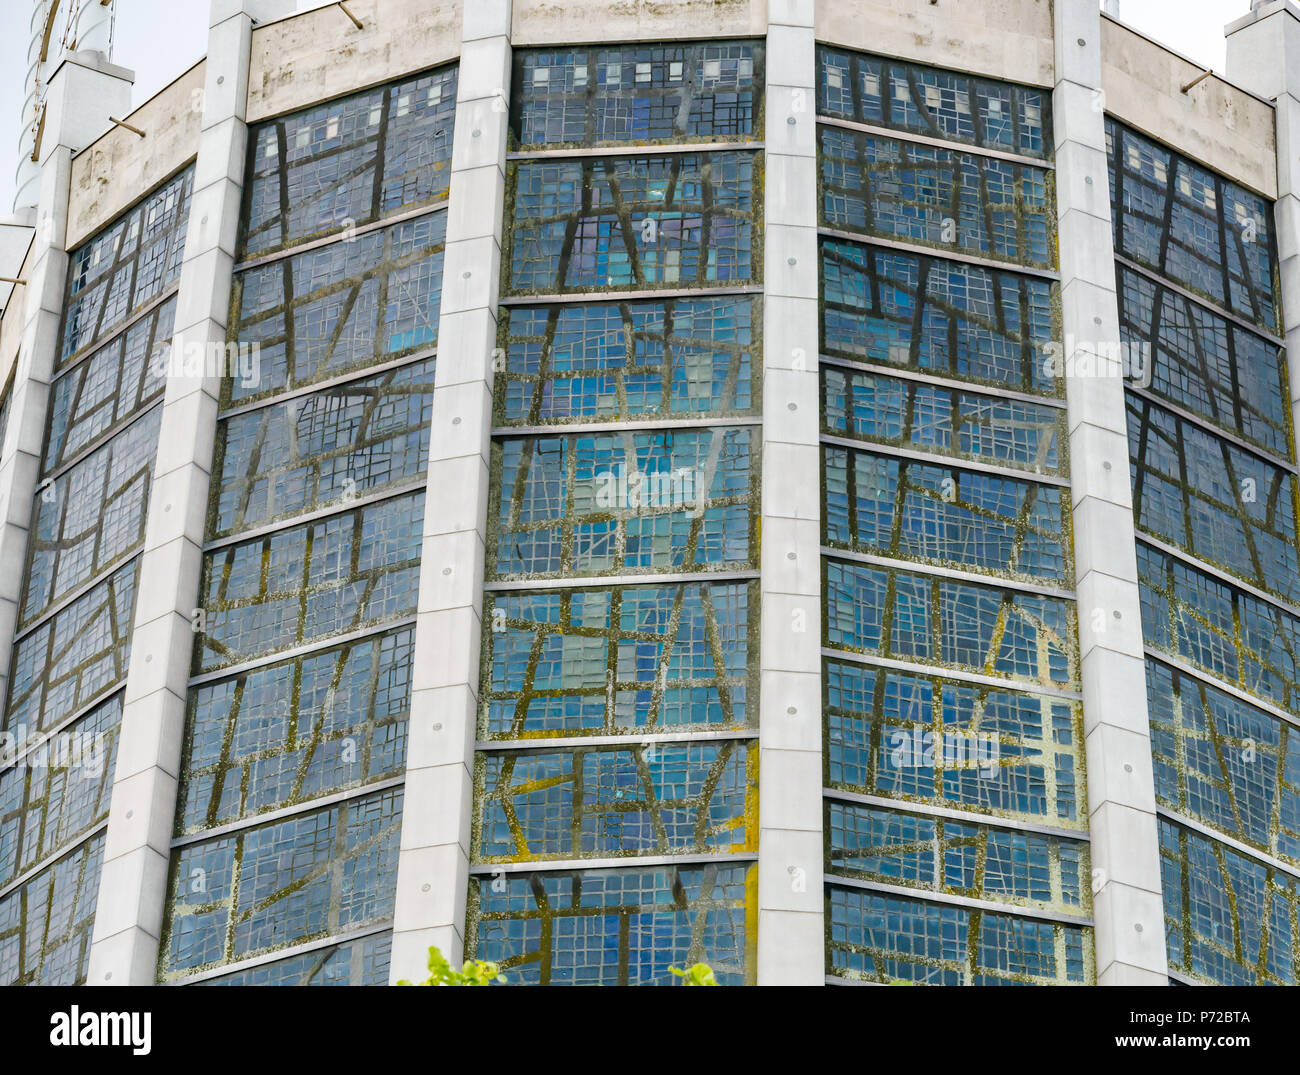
(142, 813)
(433, 864)
(1127, 903)
(791, 940)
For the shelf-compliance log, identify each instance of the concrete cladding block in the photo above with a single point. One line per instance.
(438, 807)
(791, 267)
(791, 486)
(790, 56)
(126, 958)
(467, 346)
(1082, 180)
(161, 652)
(225, 84)
(471, 274)
(791, 711)
(462, 416)
(790, 126)
(1118, 682)
(463, 502)
(1119, 770)
(172, 571)
(425, 888)
(152, 738)
(1103, 540)
(791, 560)
(480, 139)
(791, 634)
(447, 644)
(451, 570)
(792, 790)
(475, 206)
(1079, 115)
(1086, 246)
(787, 962)
(442, 727)
(1286, 225)
(1125, 847)
(1109, 617)
(791, 13)
(790, 869)
(790, 191)
(1078, 41)
(484, 70)
(144, 811)
(214, 218)
(791, 404)
(1099, 466)
(132, 890)
(791, 329)
(1134, 934)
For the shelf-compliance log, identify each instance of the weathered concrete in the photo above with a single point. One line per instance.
(568, 22)
(110, 174)
(1127, 905)
(1218, 123)
(320, 54)
(433, 865)
(142, 814)
(1004, 39)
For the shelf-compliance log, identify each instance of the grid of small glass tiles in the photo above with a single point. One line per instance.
(350, 162)
(615, 927)
(938, 465)
(1224, 505)
(1224, 762)
(61, 791)
(46, 924)
(126, 266)
(705, 92)
(316, 518)
(285, 883)
(633, 497)
(928, 315)
(677, 357)
(1229, 919)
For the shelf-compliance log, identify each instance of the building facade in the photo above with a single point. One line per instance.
(806, 487)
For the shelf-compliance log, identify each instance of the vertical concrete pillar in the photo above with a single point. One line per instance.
(791, 945)
(1264, 57)
(1127, 903)
(83, 91)
(433, 864)
(142, 812)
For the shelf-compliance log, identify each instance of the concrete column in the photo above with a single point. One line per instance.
(1264, 57)
(83, 91)
(142, 813)
(791, 941)
(433, 865)
(1127, 903)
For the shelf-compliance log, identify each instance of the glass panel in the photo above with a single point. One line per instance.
(350, 162)
(323, 449)
(326, 312)
(58, 791)
(621, 503)
(1225, 506)
(879, 938)
(637, 93)
(932, 620)
(1244, 641)
(633, 659)
(938, 316)
(360, 962)
(939, 104)
(126, 266)
(679, 357)
(286, 733)
(74, 656)
(911, 414)
(1224, 762)
(937, 197)
(116, 382)
(960, 859)
(598, 802)
(905, 509)
(927, 739)
(45, 926)
(616, 927)
(338, 574)
(1192, 226)
(626, 223)
(282, 884)
(1229, 920)
(1207, 364)
(91, 517)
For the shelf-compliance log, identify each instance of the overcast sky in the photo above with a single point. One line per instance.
(160, 39)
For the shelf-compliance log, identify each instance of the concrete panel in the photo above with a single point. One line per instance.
(1006, 39)
(566, 22)
(111, 174)
(1219, 124)
(320, 54)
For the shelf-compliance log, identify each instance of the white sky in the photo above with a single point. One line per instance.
(160, 39)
